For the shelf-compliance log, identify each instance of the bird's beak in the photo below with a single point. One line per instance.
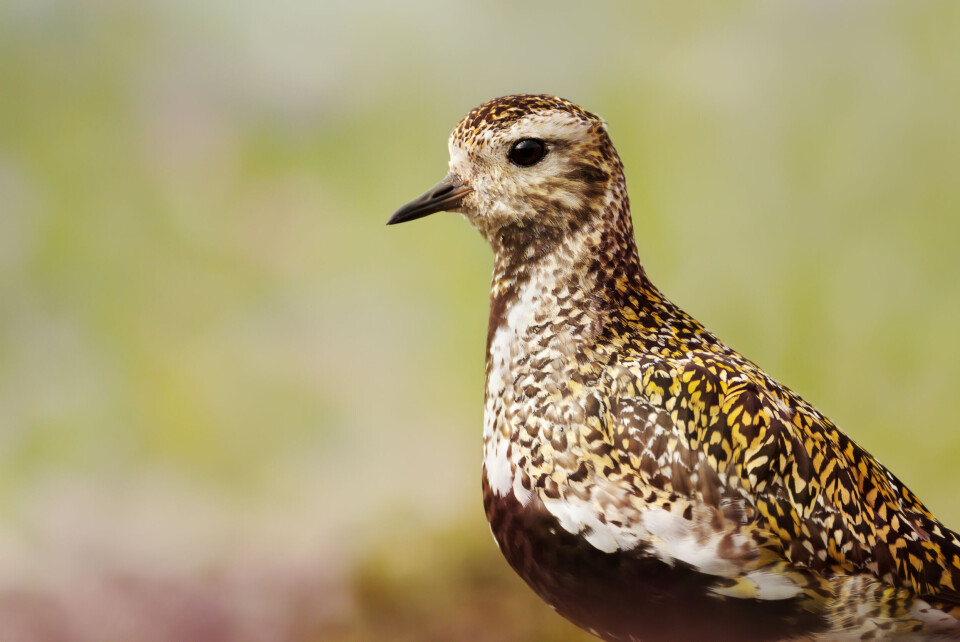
(444, 196)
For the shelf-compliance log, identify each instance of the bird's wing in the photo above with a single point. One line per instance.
(689, 515)
(822, 499)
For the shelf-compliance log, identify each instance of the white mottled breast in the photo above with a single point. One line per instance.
(501, 414)
(516, 426)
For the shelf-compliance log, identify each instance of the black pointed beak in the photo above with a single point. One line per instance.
(444, 196)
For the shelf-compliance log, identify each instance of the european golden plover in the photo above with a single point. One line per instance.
(647, 481)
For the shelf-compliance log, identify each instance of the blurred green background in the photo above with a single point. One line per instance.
(235, 406)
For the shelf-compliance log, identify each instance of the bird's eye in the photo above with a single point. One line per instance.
(527, 152)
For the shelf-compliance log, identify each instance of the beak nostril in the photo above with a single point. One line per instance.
(443, 191)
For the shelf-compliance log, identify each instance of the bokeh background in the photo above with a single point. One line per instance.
(235, 406)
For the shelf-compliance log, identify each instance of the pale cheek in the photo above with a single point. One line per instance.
(568, 200)
(500, 199)
(459, 161)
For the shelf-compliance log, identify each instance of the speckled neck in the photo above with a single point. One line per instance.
(595, 253)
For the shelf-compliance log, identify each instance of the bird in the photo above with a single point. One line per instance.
(643, 478)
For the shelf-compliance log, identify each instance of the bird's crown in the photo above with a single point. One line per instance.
(501, 113)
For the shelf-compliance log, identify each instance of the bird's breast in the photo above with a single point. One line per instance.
(529, 398)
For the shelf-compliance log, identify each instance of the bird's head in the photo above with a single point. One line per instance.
(530, 166)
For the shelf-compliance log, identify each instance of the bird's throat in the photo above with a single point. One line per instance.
(556, 279)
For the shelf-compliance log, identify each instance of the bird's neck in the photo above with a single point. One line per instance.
(558, 276)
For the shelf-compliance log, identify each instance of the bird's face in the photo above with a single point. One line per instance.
(533, 163)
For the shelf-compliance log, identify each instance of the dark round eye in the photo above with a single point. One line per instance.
(527, 152)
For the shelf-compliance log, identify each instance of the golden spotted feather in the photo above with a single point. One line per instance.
(646, 480)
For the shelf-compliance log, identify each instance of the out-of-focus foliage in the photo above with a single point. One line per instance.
(235, 406)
